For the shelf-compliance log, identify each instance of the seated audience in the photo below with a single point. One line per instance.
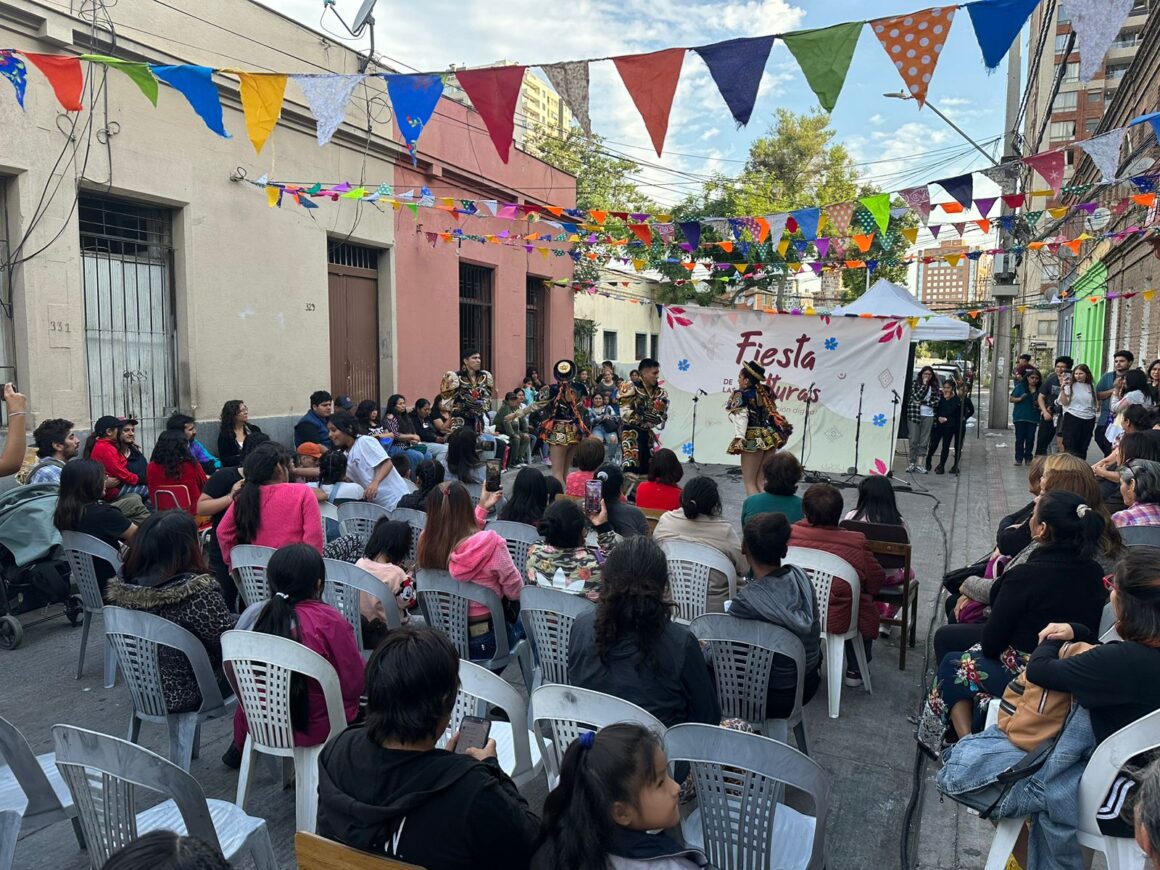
(561, 560)
(385, 788)
(1147, 813)
(605, 423)
(1135, 419)
(661, 491)
(782, 473)
(383, 557)
(402, 463)
(186, 425)
(295, 610)
(529, 498)
(367, 464)
(699, 521)
(819, 530)
(1140, 490)
(556, 489)
(589, 457)
(268, 510)
(174, 470)
(367, 413)
(233, 431)
(433, 440)
(166, 575)
(308, 455)
(441, 419)
(513, 425)
(312, 425)
(332, 479)
(121, 482)
(79, 509)
(630, 647)
(397, 424)
(613, 805)
(428, 475)
(1015, 529)
(166, 850)
(453, 541)
(877, 504)
(627, 519)
(463, 462)
(56, 444)
(780, 595)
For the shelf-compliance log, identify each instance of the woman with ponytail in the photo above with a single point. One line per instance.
(268, 510)
(630, 647)
(614, 789)
(295, 611)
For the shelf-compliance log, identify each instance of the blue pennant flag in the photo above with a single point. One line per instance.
(414, 99)
(737, 66)
(692, 231)
(1144, 183)
(961, 187)
(195, 83)
(997, 23)
(1153, 119)
(13, 69)
(807, 221)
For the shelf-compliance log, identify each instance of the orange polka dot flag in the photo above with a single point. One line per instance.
(914, 42)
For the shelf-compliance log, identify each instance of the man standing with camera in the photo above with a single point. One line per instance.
(1049, 407)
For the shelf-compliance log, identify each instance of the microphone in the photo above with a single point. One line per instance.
(702, 392)
(810, 392)
(896, 394)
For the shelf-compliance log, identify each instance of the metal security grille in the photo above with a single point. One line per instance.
(475, 307)
(130, 337)
(353, 256)
(535, 330)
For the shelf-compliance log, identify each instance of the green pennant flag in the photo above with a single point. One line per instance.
(1032, 218)
(140, 73)
(879, 206)
(315, 189)
(824, 56)
(414, 207)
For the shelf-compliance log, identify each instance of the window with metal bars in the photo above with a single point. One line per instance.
(535, 323)
(352, 256)
(475, 310)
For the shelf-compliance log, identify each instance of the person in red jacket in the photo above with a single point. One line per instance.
(172, 467)
(125, 489)
(822, 506)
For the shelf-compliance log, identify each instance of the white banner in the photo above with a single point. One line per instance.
(843, 363)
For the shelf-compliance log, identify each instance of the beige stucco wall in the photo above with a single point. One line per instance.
(245, 275)
(625, 318)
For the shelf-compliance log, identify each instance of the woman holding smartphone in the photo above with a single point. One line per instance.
(1077, 424)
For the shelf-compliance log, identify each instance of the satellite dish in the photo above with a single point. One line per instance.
(364, 16)
(1097, 220)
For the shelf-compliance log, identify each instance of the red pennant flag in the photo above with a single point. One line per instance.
(913, 43)
(1014, 200)
(651, 81)
(64, 74)
(494, 93)
(1050, 166)
(642, 232)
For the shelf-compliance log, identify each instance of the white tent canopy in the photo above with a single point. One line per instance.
(885, 299)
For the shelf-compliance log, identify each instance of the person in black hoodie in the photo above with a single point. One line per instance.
(384, 788)
(946, 426)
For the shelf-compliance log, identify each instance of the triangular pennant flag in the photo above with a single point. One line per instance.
(913, 43)
(863, 242)
(651, 80)
(494, 92)
(327, 96)
(953, 259)
(642, 232)
(807, 221)
(934, 229)
(951, 207)
(1152, 118)
(691, 231)
(262, 95)
(824, 57)
(985, 205)
(273, 195)
(135, 70)
(984, 225)
(910, 234)
(961, 187)
(195, 83)
(879, 207)
(777, 224)
(1050, 166)
(1014, 200)
(1105, 152)
(414, 99)
(1145, 199)
(822, 246)
(13, 69)
(737, 65)
(64, 74)
(918, 198)
(727, 247)
(839, 215)
(782, 247)
(1096, 23)
(997, 23)
(570, 79)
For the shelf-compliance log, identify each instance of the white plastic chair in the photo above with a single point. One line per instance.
(32, 793)
(138, 638)
(689, 567)
(417, 520)
(517, 752)
(740, 821)
(548, 616)
(1121, 853)
(262, 665)
(823, 568)
(743, 653)
(328, 511)
(81, 550)
(248, 562)
(103, 773)
(344, 587)
(444, 601)
(475, 490)
(359, 517)
(519, 538)
(560, 714)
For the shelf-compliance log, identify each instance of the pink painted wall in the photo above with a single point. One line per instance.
(457, 159)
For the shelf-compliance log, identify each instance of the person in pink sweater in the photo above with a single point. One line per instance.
(383, 556)
(296, 573)
(269, 511)
(453, 541)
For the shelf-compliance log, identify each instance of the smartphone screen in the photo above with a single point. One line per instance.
(473, 733)
(493, 481)
(593, 492)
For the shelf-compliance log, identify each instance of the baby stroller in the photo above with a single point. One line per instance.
(33, 571)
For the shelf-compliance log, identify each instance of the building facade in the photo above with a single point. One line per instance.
(620, 324)
(941, 284)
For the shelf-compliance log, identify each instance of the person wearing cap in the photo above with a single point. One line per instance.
(759, 430)
(468, 392)
(308, 454)
(311, 427)
(107, 450)
(644, 408)
(563, 425)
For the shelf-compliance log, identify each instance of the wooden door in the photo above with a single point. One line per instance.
(354, 332)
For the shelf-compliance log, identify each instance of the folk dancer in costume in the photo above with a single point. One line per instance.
(563, 426)
(759, 429)
(644, 408)
(468, 392)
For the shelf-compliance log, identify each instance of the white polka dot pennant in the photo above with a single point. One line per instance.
(913, 43)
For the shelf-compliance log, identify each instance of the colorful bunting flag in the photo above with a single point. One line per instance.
(737, 65)
(327, 96)
(414, 99)
(138, 72)
(918, 198)
(195, 83)
(64, 74)
(984, 225)
(1050, 166)
(910, 234)
(961, 187)
(824, 56)
(807, 221)
(642, 232)
(1153, 118)
(777, 224)
(691, 231)
(494, 92)
(1104, 151)
(838, 216)
(913, 43)
(985, 205)
(651, 80)
(262, 95)
(879, 207)
(863, 242)
(1096, 23)
(570, 80)
(1014, 200)
(13, 69)
(997, 23)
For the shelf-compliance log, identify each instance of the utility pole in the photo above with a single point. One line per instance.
(1005, 288)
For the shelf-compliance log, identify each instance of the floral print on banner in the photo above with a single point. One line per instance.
(914, 42)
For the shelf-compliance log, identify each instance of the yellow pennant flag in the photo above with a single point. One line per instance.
(783, 247)
(262, 95)
(953, 259)
(543, 252)
(638, 264)
(1149, 295)
(910, 234)
(913, 321)
(1057, 213)
(273, 194)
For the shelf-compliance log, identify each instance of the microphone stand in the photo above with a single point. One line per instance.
(852, 471)
(896, 401)
(693, 439)
(809, 476)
